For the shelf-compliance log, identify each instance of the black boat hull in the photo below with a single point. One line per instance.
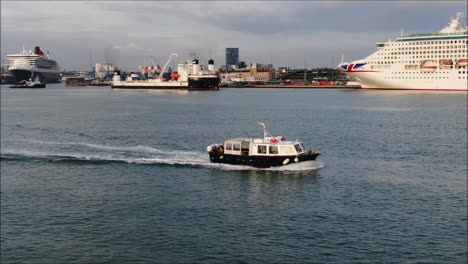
(208, 83)
(45, 77)
(261, 161)
(35, 86)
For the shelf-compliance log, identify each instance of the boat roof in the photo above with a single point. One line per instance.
(262, 141)
(267, 139)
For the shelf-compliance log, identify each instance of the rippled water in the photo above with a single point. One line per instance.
(94, 175)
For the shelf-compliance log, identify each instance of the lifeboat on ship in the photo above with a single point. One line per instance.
(428, 66)
(174, 75)
(265, 152)
(446, 64)
(462, 62)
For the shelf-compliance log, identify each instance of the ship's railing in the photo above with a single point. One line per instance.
(438, 34)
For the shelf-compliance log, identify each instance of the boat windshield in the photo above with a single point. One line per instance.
(298, 147)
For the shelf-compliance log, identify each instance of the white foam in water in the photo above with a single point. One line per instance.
(143, 155)
(138, 148)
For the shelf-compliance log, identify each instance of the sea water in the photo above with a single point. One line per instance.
(95, 175)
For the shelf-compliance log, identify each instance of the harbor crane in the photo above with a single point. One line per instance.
(167, 63)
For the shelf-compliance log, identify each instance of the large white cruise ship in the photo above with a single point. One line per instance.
(434, 61)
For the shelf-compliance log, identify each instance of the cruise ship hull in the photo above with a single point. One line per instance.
(44, 76)
(454, 80)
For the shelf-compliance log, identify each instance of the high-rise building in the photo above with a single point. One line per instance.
(232, 56)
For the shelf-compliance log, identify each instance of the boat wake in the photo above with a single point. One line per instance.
(79, 152)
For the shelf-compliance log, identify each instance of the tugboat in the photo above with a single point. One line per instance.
(36, 83)
(265, 152)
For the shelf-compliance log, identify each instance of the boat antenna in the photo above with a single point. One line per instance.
(342, 55)
(265, 132)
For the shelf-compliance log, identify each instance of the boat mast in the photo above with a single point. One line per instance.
(265, 132)
(305, 68)
(342, 55)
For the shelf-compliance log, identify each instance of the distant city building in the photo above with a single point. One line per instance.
(103, 70)
(251, 74)
(264, 67)
(242, 65)
(232, 56)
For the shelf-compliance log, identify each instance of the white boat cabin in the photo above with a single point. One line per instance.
(269, 146)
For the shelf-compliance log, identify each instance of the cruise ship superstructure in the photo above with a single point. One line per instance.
(30, 64)
(435, 61)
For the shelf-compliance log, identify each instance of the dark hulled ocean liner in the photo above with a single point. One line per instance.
(30, 64)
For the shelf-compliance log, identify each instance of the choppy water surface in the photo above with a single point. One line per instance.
(94, 175)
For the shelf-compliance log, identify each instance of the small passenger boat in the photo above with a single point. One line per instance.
(36, 83)
(265, 152)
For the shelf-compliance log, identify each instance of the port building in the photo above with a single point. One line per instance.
(232, 57)
(104, 70)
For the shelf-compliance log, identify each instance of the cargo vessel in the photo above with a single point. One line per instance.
(189, 76)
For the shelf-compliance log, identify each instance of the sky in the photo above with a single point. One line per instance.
(297, 34)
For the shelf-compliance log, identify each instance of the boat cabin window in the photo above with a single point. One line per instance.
(273, 149)
(236, 147)
(262, 149)
(228, 146)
